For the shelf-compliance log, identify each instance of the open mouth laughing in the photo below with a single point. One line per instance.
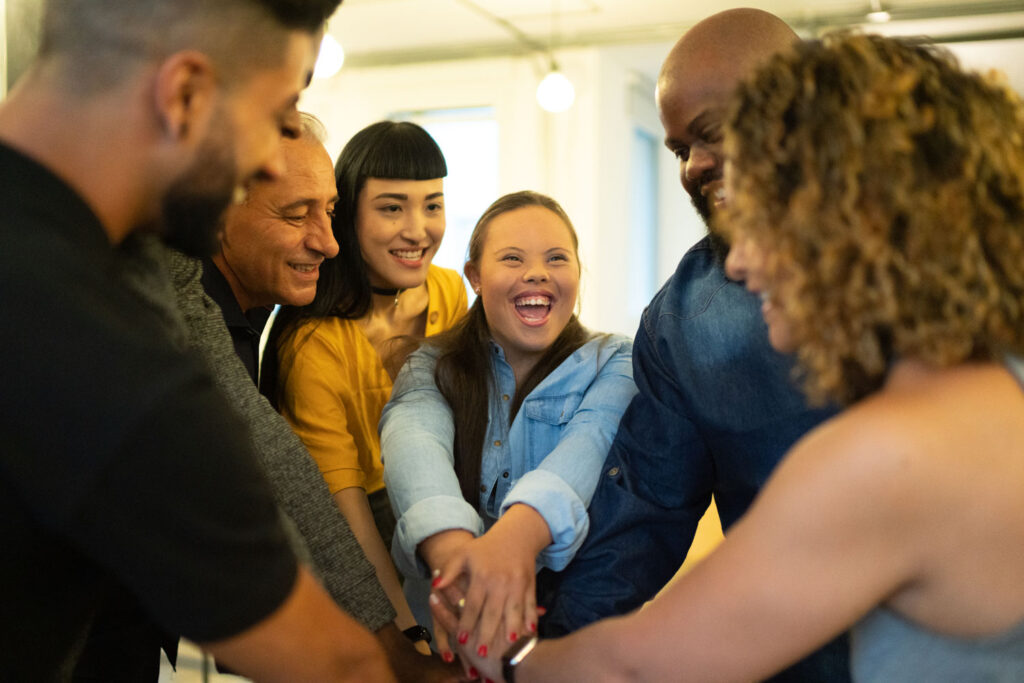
(533, 309)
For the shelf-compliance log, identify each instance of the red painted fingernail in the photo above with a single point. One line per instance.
(463, 637)
(513, 637)
(448, 656)
(473, 673)
(436, 582)
(482, 650)
(542, 610)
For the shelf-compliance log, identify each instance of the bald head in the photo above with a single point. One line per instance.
(696, 81)
(731, 43)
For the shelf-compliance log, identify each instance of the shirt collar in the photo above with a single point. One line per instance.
(218, 289)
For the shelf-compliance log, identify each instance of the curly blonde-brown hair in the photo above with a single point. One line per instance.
(886, 186)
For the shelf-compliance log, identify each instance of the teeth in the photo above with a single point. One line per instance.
(533, 301)
(303, 268)
(409, 255)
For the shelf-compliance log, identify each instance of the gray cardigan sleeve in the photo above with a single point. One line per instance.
(298, 487)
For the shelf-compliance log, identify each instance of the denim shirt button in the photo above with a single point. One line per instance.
(505, 474)
(504, 397)
(497, 443)
(483, 489)
(613, 471)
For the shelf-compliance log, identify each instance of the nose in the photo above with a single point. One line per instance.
(737, 262)
(536, 272)
(321, 236)
(275, 166)
(414, 228)
(701, 160)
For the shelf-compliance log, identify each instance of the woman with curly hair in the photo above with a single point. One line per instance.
(876, 203)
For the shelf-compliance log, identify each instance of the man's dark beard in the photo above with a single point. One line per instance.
(193, 207)
(719, 245)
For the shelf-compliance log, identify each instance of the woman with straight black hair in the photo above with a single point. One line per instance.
(327, 365)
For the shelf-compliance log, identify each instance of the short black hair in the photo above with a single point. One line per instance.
(99, 42)
(387, 149)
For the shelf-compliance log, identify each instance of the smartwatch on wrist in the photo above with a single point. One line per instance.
(515, 656)
(417, 633)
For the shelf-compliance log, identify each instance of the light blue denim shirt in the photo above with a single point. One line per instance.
(548, 458)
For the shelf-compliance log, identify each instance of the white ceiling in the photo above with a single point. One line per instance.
(401, 31)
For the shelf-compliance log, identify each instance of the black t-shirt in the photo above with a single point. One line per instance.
(121, 465)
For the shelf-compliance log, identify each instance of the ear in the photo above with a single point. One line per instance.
(185, 93)
(473, 275)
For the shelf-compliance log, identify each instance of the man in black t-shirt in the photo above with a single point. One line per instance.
(122, 468)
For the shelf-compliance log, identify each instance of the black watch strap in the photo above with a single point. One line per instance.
(515, 656)
(417, 633)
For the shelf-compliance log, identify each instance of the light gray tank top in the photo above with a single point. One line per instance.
(887, 647)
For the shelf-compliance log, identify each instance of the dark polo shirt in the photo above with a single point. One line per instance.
(245, 326)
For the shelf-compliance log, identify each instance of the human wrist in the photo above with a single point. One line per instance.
(524, 528)
(435, 550)
(513, 662)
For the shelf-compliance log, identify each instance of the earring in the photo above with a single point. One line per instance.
(476, 290)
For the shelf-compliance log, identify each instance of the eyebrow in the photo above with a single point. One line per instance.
(405, 197)
(695, 126)
(304, 202)
(520, 249)
(701, 120)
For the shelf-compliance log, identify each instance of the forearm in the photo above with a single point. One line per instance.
(522, 529)
(355, 507)
(306, 639)
(597, 653)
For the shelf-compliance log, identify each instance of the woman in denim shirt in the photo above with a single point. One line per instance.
(513, 410)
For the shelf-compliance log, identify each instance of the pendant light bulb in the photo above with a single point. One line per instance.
(330, 59)
(555, 93)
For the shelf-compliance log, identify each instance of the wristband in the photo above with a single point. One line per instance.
(417, 633)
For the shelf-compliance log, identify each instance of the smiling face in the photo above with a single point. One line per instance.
(399, 224)
(273, 243)
(528, 277)
(692, 106)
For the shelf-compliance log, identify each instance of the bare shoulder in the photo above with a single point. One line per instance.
(925, 425)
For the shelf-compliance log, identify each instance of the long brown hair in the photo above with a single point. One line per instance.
(464, 373)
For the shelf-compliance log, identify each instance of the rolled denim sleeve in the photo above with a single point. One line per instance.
(416, 439)
(653, 488)
(561, 486)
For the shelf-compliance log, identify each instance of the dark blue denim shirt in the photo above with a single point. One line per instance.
(717, 409)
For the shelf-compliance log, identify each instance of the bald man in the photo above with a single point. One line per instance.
(716, 409)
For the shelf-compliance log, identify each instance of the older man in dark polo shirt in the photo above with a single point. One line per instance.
(274, 242)
(271, 246)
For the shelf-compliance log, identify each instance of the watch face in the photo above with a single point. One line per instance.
(515, 655)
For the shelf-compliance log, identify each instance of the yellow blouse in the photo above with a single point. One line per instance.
(334, 386)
